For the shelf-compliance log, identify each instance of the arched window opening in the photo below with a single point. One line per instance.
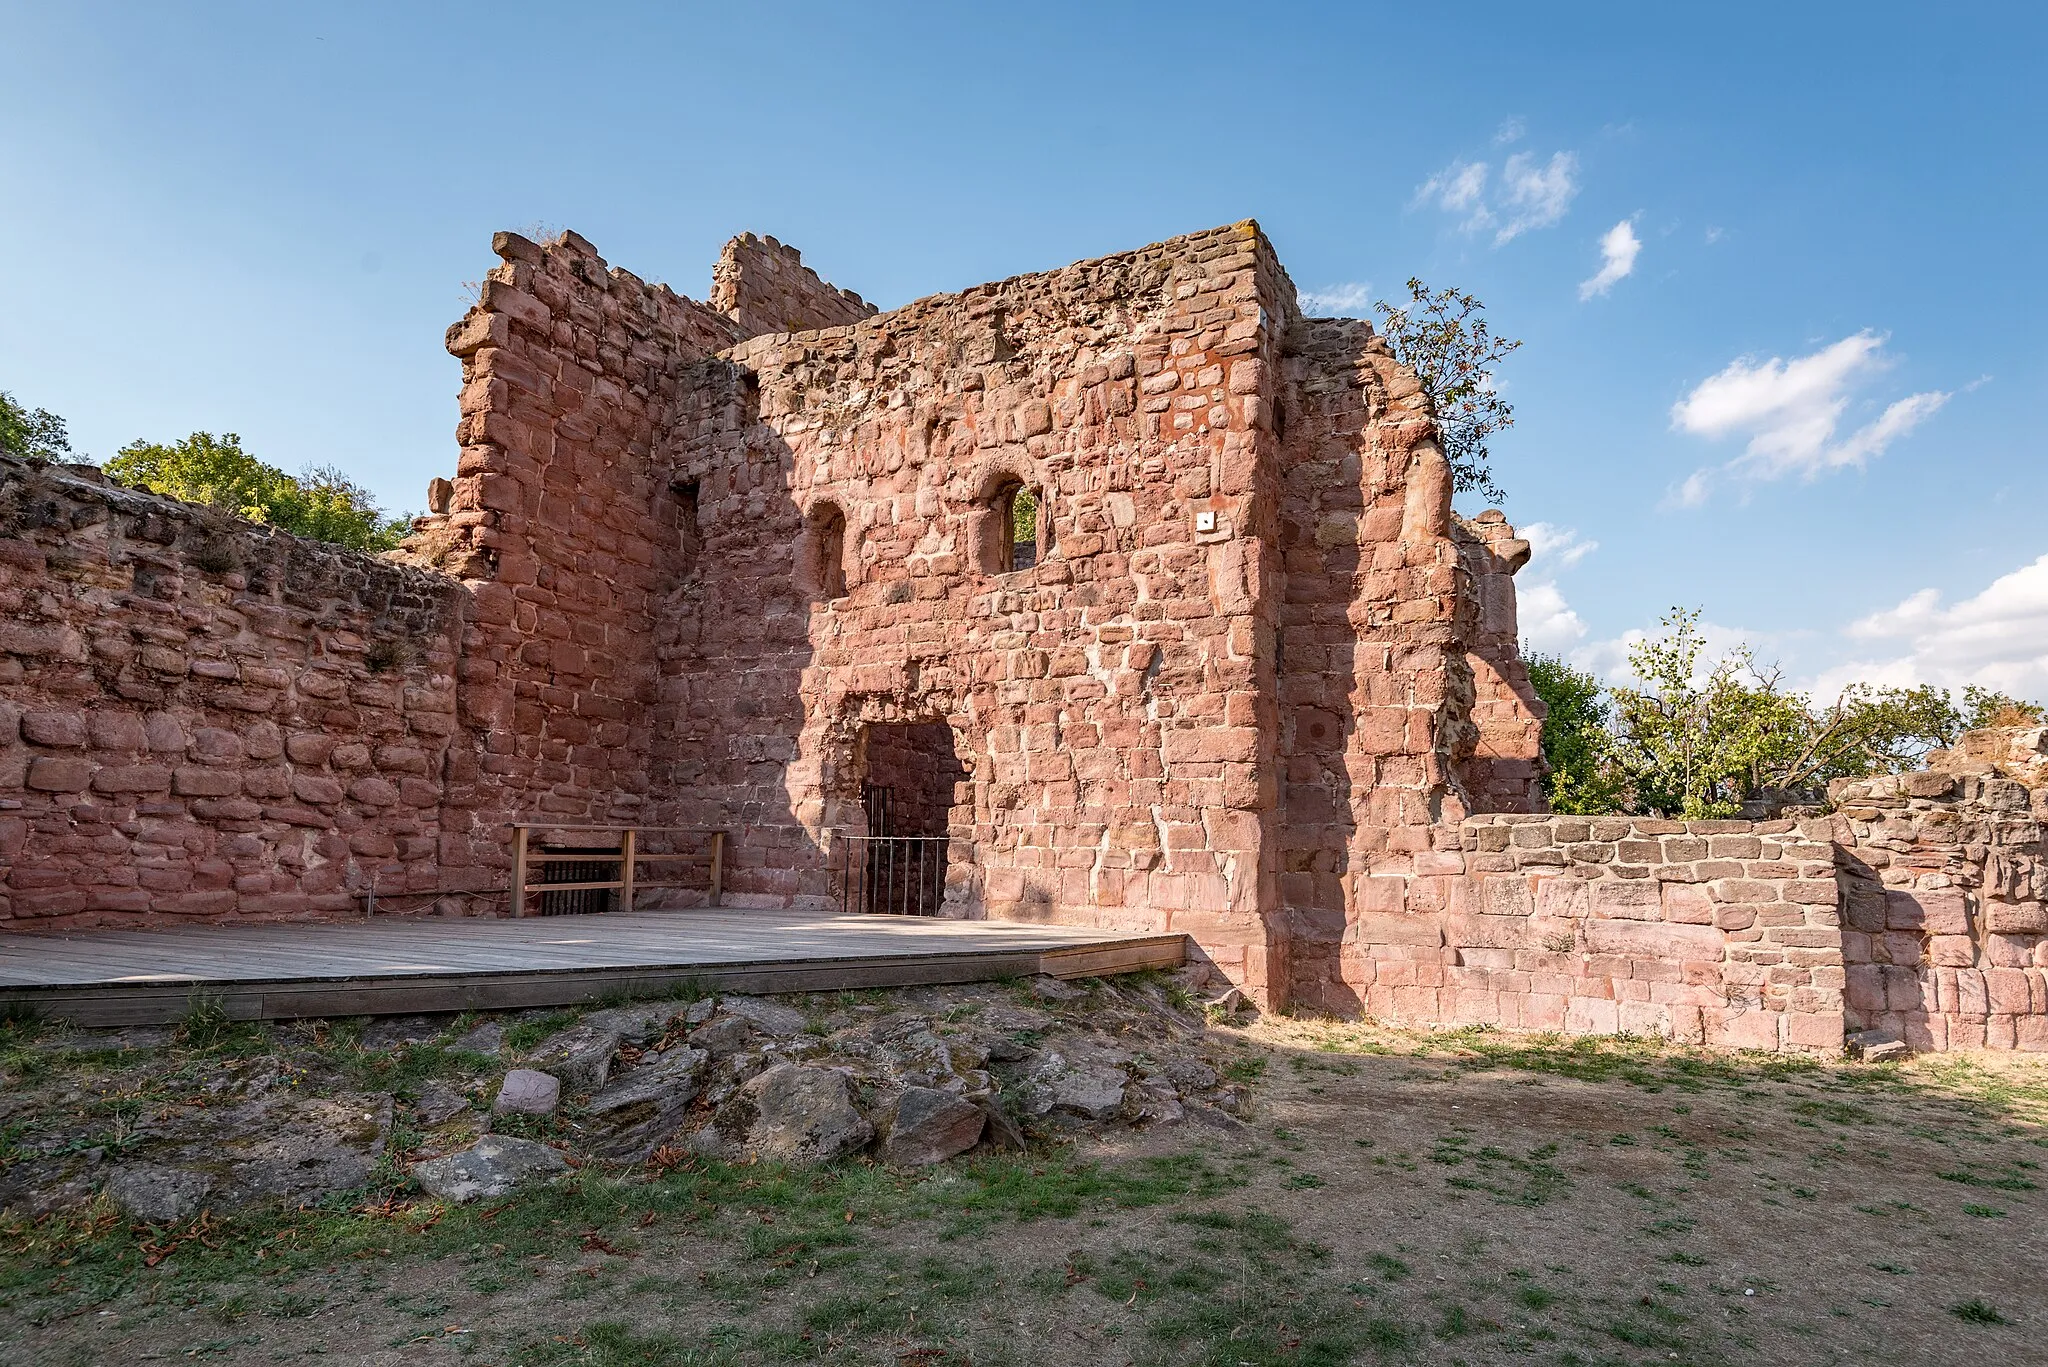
(823, 564)
(1021, 531)
(1023, 520)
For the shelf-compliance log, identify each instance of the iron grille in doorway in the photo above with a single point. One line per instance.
(893, 875)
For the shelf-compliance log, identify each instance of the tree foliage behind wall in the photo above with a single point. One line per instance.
(36, 434)
(321, 503)
(1698, 735)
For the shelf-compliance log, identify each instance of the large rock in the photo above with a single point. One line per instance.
(771, 1018)
(930, 1127)
(437, 1103)
(580, 1056)
(638, 1023)
(487, 1038)
(526, 1091)
(724, 1037)
(645, 1107)
(157, 1194)
(1091, 1090)
(300, 1149)
(496, 1165)
(804, 1114)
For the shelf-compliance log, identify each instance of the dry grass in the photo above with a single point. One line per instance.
(1467, 1197)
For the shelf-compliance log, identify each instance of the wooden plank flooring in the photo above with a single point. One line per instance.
(278, 971)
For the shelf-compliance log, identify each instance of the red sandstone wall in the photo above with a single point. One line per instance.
(1716, 932)
(1945, 905)
(204, 718)
(1503, 769)
(765, 287)
(567, 530)
(1103, 700)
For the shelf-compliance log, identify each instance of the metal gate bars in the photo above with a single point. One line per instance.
(895, 875)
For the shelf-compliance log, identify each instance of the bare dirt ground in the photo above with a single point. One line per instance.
(1393, 1197)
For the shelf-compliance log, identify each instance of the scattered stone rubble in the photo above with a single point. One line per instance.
(911, 1078)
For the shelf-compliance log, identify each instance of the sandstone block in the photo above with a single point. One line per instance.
(49, 774)
(57, 729)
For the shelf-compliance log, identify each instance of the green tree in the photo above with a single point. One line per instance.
(35, 434)
(1986, 707)
(322, 504)
(1697, 738)
(1578, 741)
(1681, 733)
(1445, 339)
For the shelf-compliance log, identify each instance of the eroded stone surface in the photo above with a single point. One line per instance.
(581, 1056)
(496, 1165)
(931, 1126)
(527, 1091)
(804, 1115)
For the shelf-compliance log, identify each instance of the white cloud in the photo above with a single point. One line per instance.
(1713, 235)
(1997, 638)
(1458, 188)
(1530, 194)
(1347, 300)
(1510, 130)
(1619, 247)
(1791, 410)
(1553, 548)
(1536, 196)
(1548, 622)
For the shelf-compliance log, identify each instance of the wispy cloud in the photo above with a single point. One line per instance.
(1547, 621)
(1997, 637)
(1554, 548)
(1619, 247)
(1535, 196)
(1791, 413)
(1528, 194)
(1346, 300)
(1511, 130)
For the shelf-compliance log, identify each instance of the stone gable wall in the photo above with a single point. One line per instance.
(200, 717)
(1104, 700)
(764, 286)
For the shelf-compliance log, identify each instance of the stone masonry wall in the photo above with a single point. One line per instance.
(204, 718)
(567, 531)
(764, 286)
(1103, 700)
(1503, 769)
(1945, 901)
(1717, 932)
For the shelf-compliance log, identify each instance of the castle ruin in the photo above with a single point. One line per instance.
(1139, 592)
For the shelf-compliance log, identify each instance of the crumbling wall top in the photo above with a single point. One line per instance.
(765, 287)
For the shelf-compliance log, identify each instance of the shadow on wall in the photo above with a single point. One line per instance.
(1317, 650)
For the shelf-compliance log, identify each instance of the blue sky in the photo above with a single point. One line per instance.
(1809, 405)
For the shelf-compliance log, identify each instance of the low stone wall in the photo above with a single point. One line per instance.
(1945, 908)
(1715, 932)
(200, 717)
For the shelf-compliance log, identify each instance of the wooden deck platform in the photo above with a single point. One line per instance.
(280, 971)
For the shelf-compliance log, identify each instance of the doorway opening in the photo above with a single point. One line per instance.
(910, 777)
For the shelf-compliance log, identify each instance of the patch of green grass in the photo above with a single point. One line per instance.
(1984, 1212)
(522, 1037)
(2001, 1181)
(1977, 1311)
